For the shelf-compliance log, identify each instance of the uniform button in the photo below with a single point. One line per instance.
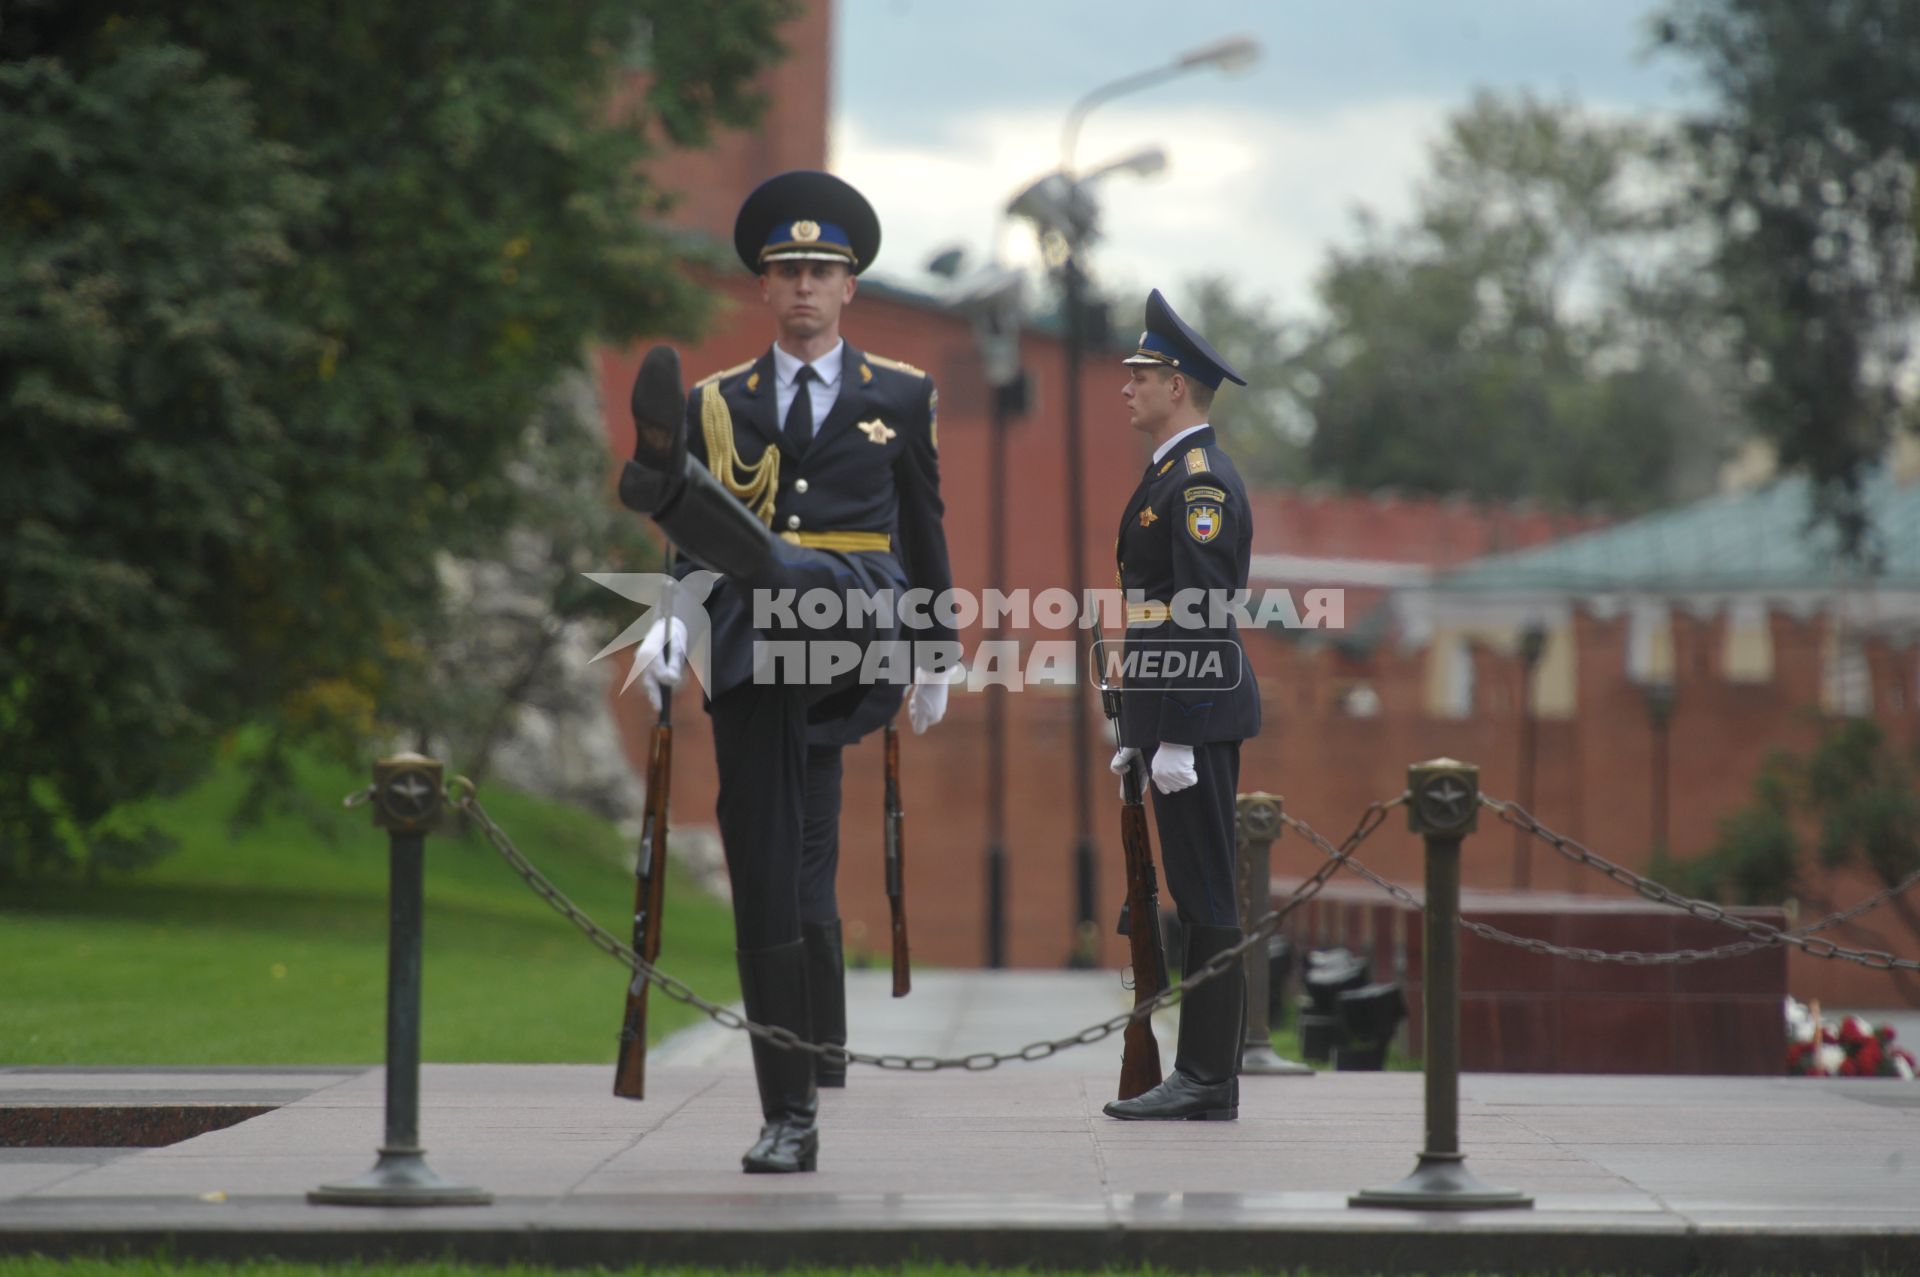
(793, 521)
(799, 485)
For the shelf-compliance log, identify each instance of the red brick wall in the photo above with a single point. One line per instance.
(709, 183)
(1593, 771)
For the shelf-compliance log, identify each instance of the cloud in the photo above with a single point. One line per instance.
(1257, 197)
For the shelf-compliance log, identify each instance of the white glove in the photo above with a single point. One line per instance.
(1173, 768)
(1123, 759)
(662, 658)
(926, 705)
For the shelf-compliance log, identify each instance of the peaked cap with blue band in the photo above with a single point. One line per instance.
(806, 215)
(1170, 343)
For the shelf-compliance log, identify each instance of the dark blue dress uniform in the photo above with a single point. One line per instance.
(853, 505)
(872, 471)
(1186, 528)
(1185, 543)
(865, 489)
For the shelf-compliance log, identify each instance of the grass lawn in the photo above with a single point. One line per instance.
(37, 1266)
(269, 946)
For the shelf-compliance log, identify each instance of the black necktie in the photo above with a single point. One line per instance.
(798, 427)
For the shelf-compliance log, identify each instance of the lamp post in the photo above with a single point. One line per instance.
(1533, 642)
(1659, 696)
(1062, 208)
(994, 301)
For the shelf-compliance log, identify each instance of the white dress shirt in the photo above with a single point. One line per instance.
(823, 390)
(1159, 454)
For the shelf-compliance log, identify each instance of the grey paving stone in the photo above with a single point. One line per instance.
(1015, 1166)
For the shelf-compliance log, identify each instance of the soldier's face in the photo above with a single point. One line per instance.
(806, 297)
(1149, 396)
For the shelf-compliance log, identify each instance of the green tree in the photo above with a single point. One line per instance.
(1807, 162)
(1262, 423)
(1523, 337)
(281, 287)
(1857, 792)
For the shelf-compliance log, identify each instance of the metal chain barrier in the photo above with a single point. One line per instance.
(1577, 953)
(1764, 934)
(463, 796)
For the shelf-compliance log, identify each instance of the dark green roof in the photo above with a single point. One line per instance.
(1755, 540)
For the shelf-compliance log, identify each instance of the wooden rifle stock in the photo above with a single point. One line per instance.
(649, 896)
(896, 851)
(1140, 1054)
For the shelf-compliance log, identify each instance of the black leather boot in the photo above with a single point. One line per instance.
(704, 520)
(1205, 1083)
(773, 984)
(827, 992)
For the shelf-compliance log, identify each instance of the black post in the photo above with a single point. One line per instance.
(1443, 806)
(997, 692)
(407, 803)
(1660, 711)
(1086, 933)
(406, 891)
(1533, 642)
(1257, 825)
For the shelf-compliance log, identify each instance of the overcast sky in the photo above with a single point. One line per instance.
(941, 111)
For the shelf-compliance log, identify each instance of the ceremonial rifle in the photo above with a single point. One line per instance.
(649, 895)
(896, 851)
(1140, 1055)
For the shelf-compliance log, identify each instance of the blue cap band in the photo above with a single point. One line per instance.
(806, 240)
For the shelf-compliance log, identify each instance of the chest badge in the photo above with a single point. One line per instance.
(1148, 517)
(876, 431)
(1203, 522)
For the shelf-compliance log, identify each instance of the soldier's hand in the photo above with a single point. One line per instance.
(1173, 768)
(1122, 759)
(926, 705)
(662, 658)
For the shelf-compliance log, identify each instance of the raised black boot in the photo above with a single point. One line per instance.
(1205, 1084)
(827, 992)
(705, 521)
(773, 985)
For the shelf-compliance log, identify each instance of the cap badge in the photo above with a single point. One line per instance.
(806, 232)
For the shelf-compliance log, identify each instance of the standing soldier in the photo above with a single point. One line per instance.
(1189, 698)
(833, 449)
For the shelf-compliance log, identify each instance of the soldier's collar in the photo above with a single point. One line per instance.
(827, 367)
(1161, 453)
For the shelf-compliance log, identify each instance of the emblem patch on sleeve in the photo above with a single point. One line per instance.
(1203, 522)
(1204, 494)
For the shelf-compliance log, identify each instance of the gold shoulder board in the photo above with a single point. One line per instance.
(894, 364)
(724, 372)
(1196, 461)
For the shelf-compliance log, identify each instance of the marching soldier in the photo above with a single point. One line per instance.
(811, 467)
(1189, 697)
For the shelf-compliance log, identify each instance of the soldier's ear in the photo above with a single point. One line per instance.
(852, 285)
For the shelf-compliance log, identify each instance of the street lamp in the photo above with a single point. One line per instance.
(1062, 208)
(1232, 56)
(1659, 697)
(993, 301)
(1533, 643)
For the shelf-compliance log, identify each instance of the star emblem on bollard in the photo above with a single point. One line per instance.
(1445, 797)
(408, 796)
